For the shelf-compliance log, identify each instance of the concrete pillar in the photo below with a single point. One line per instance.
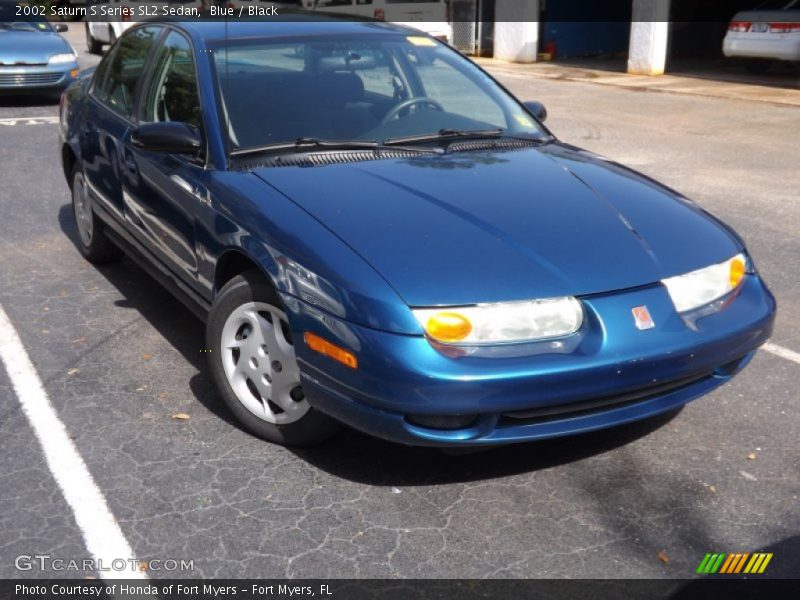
(516, 30)
(649, 37)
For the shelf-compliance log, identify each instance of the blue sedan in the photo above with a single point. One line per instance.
(34, 58)
(378, 234)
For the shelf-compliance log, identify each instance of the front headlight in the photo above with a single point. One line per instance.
(58, 59)
(503, 323)
(703, 286)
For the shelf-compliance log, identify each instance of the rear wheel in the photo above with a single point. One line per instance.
(93, 45)
(252, 360)
(92, 241)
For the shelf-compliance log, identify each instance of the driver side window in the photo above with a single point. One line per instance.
(172, 93)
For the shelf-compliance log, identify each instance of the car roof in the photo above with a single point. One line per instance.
(289, 25)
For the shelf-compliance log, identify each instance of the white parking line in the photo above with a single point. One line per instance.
(104, 539)
(782, 352)
(28, 121)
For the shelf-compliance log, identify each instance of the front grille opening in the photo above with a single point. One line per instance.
(12, 79)
(578, 409)
(442, 422)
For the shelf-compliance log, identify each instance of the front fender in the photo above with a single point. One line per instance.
(303, 259)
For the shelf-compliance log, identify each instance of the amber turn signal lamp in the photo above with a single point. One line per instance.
(448, 327)
(324, 347)
(737, 272)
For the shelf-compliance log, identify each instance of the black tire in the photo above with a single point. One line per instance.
(93, 45)
(313, 427)
(96, 248)
(758, 67)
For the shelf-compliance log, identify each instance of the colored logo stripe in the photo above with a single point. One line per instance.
(730, 564)
(736, 564)
(758, 563)
(711, 562)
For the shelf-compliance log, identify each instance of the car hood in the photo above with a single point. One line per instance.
(507, 225)
(30, 47)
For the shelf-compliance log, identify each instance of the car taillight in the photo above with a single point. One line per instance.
(784, 27)
(379, 14)
(739, 26)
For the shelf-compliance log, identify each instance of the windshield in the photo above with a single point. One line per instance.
(366, 87)
(25, 26)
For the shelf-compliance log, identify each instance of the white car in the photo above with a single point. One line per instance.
(768, 33)
(430, 16)
(112, 17)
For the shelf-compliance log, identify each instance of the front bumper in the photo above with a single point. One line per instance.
(775, 46)
(34, 78)
(608, 374)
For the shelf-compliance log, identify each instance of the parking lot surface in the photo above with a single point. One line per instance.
(118, 358)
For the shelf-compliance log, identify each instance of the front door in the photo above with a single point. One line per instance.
(163, 192)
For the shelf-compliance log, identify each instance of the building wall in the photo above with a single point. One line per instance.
(586, 27)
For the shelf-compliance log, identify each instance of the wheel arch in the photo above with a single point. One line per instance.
(68, 159)
(236, 261)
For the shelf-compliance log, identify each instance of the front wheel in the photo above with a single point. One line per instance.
(252, 360)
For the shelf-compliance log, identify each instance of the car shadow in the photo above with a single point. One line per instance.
(351, 454)
(360, 458)
(175, 323)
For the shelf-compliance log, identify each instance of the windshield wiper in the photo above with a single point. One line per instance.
(308, 143)
(446, 134)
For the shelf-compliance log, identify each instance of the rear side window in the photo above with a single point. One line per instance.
(120, 75)
(102, 71)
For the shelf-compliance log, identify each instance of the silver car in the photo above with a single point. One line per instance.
(770, 32)
(35, 58)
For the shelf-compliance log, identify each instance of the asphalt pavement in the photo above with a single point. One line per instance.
(118, 357)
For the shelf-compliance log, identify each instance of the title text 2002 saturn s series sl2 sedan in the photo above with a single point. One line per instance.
(378, 234)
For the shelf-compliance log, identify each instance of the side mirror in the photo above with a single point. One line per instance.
(537, 109)
(61, 27)
(173, 138)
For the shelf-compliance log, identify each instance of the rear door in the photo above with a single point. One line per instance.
(109, 116)
(164, 192)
